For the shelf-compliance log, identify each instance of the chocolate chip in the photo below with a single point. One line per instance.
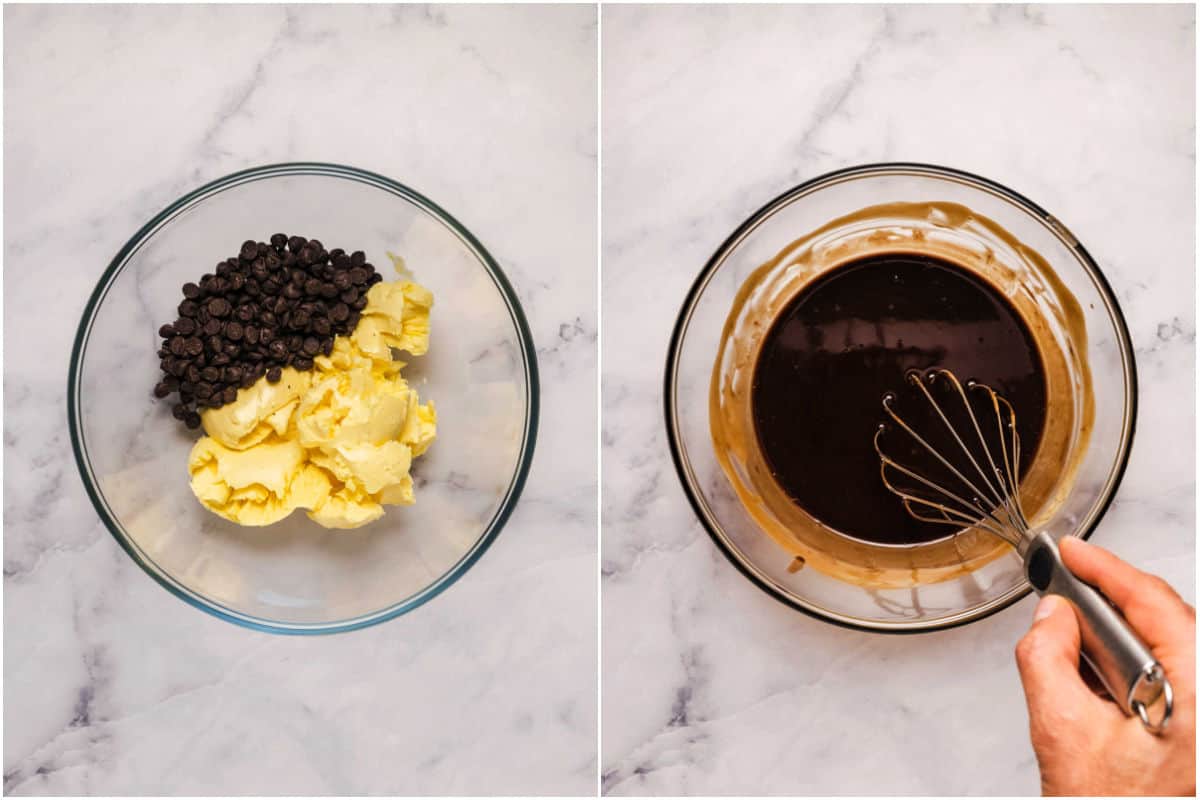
(270, 305)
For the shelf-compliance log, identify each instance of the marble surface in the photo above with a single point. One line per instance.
(111, 685)
(709, 686)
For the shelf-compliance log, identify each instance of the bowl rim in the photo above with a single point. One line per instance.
(783, 199)
(532, 397)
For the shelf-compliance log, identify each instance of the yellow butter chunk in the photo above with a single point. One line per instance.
(338, 440)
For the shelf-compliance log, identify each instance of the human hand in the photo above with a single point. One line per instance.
(1084, 744)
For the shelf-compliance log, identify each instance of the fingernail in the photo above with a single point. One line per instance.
(1045, 607)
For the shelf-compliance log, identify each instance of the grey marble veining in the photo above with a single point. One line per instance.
(111, 685)
(709, 686)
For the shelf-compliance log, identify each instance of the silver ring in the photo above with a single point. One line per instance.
(1168, 696)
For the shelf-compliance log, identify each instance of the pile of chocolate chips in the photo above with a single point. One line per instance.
(271, 306)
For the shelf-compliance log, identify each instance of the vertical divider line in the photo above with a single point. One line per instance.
(599, 387)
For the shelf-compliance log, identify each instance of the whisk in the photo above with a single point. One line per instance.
(976, 485)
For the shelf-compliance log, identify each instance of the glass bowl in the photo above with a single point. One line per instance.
(1043, 270)
(295, 576)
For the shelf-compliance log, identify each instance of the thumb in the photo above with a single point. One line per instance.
(1048, 659)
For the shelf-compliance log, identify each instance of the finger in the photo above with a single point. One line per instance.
(1048, 659)
(1150, 605)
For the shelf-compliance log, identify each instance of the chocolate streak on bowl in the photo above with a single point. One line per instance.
(979, 245)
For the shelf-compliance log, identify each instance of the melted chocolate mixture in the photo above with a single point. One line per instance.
(851, 337)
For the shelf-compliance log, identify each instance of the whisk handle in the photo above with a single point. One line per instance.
(1116, 654)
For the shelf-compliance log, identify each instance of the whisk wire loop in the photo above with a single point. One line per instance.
(995, 508)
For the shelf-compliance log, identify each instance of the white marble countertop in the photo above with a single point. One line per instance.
(111, 685)
(709, 686)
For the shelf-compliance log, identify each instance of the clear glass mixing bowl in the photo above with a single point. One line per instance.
(295, 576)
(830, 584)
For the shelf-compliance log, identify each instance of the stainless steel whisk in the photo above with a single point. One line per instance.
(988, 498)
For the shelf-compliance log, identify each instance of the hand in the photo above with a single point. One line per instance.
(1084, 744)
